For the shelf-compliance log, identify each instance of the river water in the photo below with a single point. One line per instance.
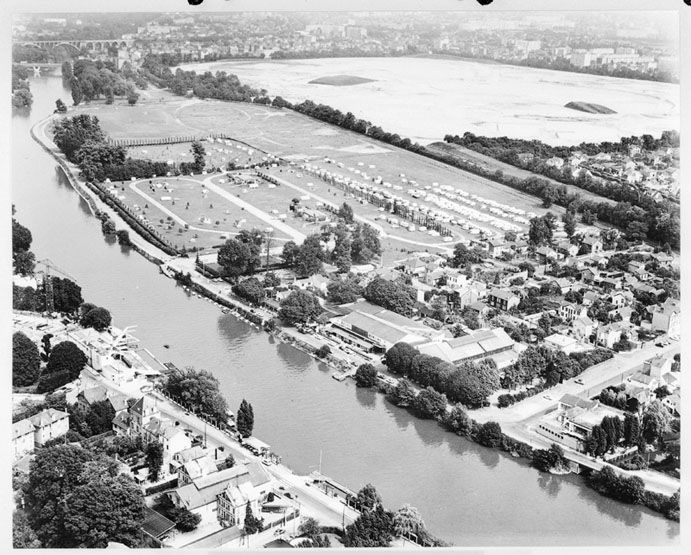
(468, 495)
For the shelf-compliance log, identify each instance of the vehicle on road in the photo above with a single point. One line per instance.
(279, 532)
(547, 397)
(579, 382)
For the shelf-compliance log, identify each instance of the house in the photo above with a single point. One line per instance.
(374, 329)
(568, 311)
(88, 397)
(582, 327)
(657, 366)
(252, 489)
(196, 468)
(673, 403)
(496, 248)
(563, 285)
(208, 494)
(667, 318)
(567, 248)
(561, 342)
(470, 294)
(502, 299)
(141, 412)
(621, 298)
(591, 245)
(477, 345)
(173, 438)
(637, 268)
(49, 424)
(546, 253)
(554, 162)
(608, 335)
(589, 275)
(589, 297)
(22, 438)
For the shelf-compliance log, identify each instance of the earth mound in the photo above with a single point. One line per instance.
(589, 108)
(340, 80)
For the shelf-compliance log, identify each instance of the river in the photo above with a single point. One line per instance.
(468, 495)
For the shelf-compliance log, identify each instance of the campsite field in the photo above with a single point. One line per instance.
(186, 213)
(300, 139)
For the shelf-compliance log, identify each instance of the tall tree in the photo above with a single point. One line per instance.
(21, 237)
(154, 460)
(97, 318)
(234, 256)
(407, 520)
(245, 419)
(299, 307)
(199, 390)
(310, 257)
(26, 360)
(656, 421)
(367, 498)
(77, 92)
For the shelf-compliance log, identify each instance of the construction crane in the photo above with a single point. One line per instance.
(48, 269)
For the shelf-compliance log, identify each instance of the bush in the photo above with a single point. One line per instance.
(366, 375)
(323, 351)
(489, 434)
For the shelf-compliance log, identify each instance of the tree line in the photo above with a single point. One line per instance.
(468, 383)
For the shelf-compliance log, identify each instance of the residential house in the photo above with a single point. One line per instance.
(561, 342)
(141, 412)
(673, 403)
(173, 438)
(496, 248)
(567, 248)
(568, 311)
(582, 327)
(49, 424)
(544, 254)
(196, 468)
(637, 268)
(22, 438)
(206, 495)
(658, 366)
(589, 297)
(252, 489)
(554, 162)
(470, 294)
(502, 299)
(667, 318)
(591, 245)
(88, 397)
(608, 335)
(621, 298)
(563, 285)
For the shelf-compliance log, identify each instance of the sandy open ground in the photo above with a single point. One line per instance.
(425, 98)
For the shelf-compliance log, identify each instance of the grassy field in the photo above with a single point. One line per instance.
(217, 154)
(300, 139)
(211, 218)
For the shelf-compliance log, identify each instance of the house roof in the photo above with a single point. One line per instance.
(199, 467)
(205, 489)
(591, 296)
(155, 524)
(643, 378)
(575, 401)
(48, 417)
(122, 420)
(22, 428)
(591, 240)
(582, 321)
(190, 454)
(502, 294)
(560, 340)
